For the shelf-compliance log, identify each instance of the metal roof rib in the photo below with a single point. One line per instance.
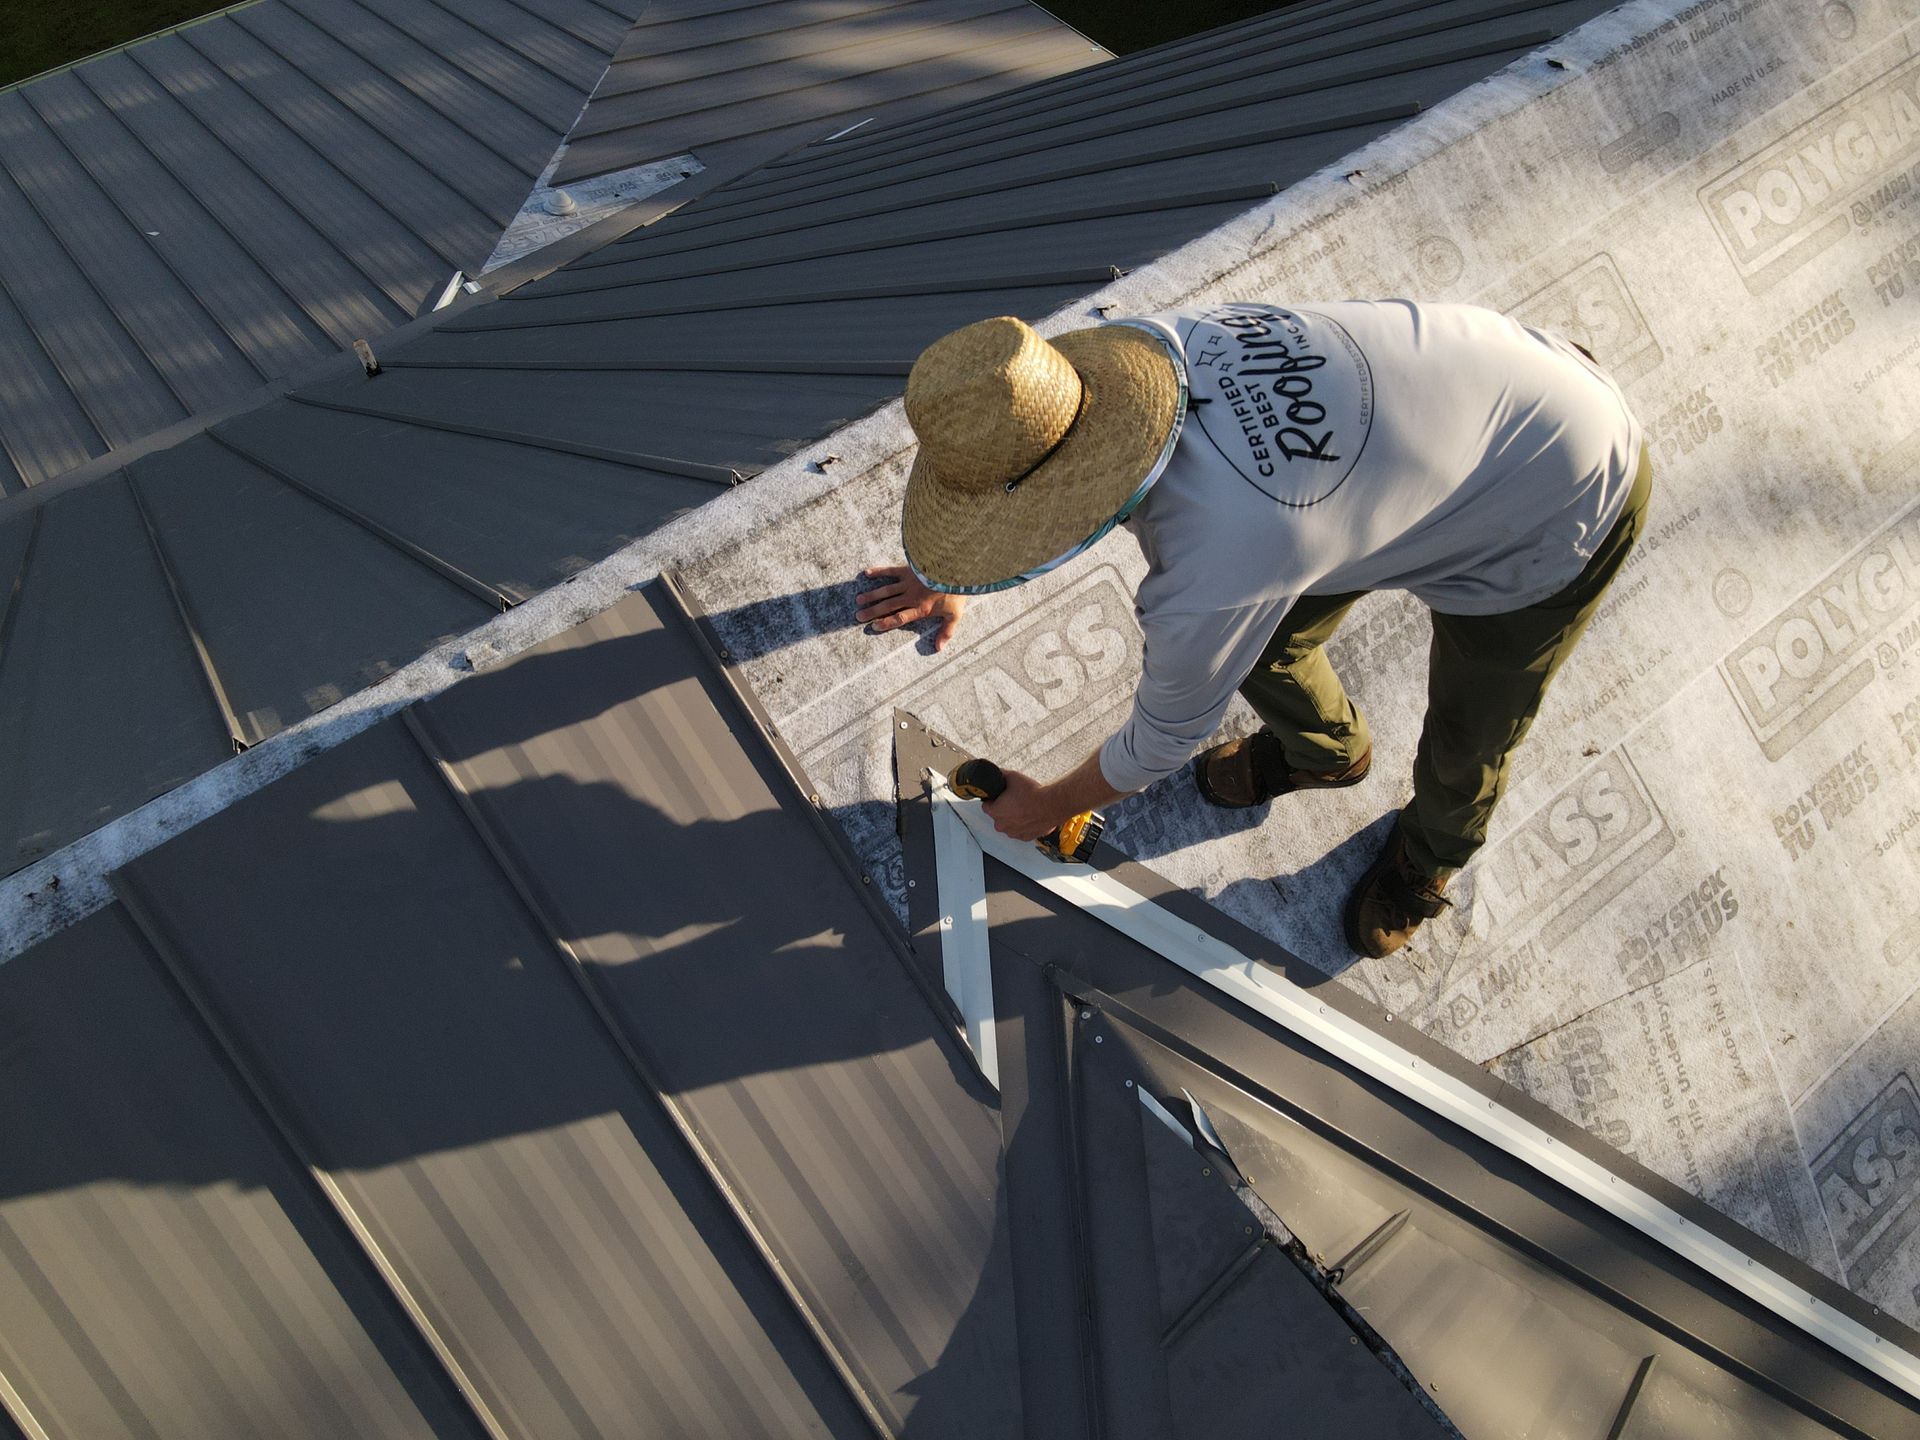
(17, 538)
(167, 1265)
(420, 727)
(604, 117)
(438, 145)
(1060, 120)
(780, 257)
(517, 527)
(268, 337)
(575, 63)
(1093, 275)
(299, 268)
(599, 25)
(524, 84)
(563, 1250)
(70, 292)
(853, 1134)
(1177, 56)
(345, 235)
(316, 116)
(101, 695)
(114, 250)
(629, 72)
(449, 94)
(594, 154)
(479, 589)
(216, 688)
(58, 432)
(1135, 157)
(1115, 88)
(248, 549)
(718, 474)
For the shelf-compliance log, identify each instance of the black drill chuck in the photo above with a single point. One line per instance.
(1073, 842)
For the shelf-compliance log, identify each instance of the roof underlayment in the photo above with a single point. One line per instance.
(1689, 933)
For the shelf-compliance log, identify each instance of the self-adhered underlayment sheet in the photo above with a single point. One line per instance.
(1690, 931)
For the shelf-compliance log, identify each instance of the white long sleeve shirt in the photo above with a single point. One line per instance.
(1443, 450)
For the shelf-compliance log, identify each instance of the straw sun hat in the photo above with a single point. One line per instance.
(1029, 450)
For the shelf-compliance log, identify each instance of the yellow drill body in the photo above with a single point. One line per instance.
(1073, 843)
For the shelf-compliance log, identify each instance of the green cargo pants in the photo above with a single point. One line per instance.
(1487, 675)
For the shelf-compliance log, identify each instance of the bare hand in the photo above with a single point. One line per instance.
(1026, 809)
(901, 598)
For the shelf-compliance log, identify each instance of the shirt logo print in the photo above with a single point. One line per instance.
(1291, 393)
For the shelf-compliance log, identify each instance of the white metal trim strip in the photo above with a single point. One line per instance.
(965, 966)
(1349, 1040)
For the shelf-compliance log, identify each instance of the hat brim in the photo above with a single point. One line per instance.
(970, 541)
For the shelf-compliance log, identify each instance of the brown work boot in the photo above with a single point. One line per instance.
(1253, 769)
(1392, 900)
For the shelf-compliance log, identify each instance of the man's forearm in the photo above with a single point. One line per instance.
(1026, 809)
(1083, 788)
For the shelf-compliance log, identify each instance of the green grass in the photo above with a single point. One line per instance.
(38, 35)
(1136, 24)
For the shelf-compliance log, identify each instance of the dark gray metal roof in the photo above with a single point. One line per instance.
(167, 1266)
(737, 81)
(218, 206)
(505, 444)
(536, 1065)
(640, 1137)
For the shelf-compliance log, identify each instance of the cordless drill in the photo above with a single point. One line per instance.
(1073, 842)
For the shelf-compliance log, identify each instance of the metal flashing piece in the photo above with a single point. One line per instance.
(1355, 1044)
(964, 965)
(1406, 1173)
